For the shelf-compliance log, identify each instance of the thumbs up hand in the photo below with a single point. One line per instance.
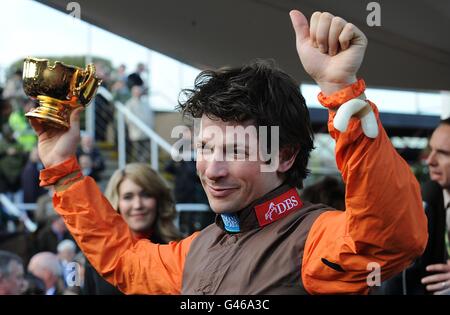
(330, 49)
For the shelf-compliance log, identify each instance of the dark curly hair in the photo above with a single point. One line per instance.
(260, 92)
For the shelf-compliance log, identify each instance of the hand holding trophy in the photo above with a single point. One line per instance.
(63, 92)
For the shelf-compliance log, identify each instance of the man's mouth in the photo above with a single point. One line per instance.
(220, 192)
(435, 173)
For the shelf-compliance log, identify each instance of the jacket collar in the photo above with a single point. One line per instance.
(274, 205)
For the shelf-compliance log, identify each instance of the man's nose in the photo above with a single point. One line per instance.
(431, 160)
(216, 169)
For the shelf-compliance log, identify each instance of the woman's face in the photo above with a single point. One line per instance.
(136, 206)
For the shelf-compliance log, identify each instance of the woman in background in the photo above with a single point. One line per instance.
(145, 202)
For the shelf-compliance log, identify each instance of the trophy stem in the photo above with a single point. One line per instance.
(51, 112)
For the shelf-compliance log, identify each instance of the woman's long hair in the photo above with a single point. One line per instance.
(145, 177)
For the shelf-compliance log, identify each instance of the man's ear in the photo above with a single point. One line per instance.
(287, 159)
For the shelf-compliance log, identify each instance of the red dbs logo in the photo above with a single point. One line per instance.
(278, 207)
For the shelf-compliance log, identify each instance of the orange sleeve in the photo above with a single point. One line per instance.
(134, 266)
(384, 223)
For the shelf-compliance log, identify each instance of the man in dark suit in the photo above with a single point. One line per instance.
(436, 196)
(430, 274)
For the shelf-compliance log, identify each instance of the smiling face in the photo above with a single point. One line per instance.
(230, 181)
(137, 207)
(439, 159)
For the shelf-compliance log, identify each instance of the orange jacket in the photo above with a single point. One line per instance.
(384, 223)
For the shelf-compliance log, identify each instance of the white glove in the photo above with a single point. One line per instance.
(348, 109)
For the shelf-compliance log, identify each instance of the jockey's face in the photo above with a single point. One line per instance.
(229, 166)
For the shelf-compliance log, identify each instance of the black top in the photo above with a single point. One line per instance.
(409, 281)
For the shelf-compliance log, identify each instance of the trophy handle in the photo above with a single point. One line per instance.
(91, 71)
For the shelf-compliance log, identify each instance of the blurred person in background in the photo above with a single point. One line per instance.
(120, 74)
(5, 111)
(88, 147)
(137, 78)
(33, 285)
(46, 266)
(188, 188)
(145, 203)
(86, 166)
(140, 142)
(48, 237)
(44, 208)
(18, 123)
(119, 88)
(30, 178)
(328, 191)
(14, 89)
(436, 196)
(430, 273)
(12, 161)
(11, 274)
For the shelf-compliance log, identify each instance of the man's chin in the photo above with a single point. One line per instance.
(445, 185)
(222, 207)
(439, 180)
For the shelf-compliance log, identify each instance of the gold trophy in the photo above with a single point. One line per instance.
(59, 89)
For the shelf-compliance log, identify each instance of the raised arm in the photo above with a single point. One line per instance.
(384, 225)
(134, 266)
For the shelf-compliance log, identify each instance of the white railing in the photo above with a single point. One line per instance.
(187, 207)
(123, 113)
(156, 141)
(13, 210)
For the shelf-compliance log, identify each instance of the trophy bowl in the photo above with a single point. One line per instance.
(59, 89)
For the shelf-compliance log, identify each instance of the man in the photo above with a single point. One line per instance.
(11, 274)
(54, 231)
(139, 141)
(430, 273)
(136, 78)
(265, 239)
(436, 195)
(46, 266)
